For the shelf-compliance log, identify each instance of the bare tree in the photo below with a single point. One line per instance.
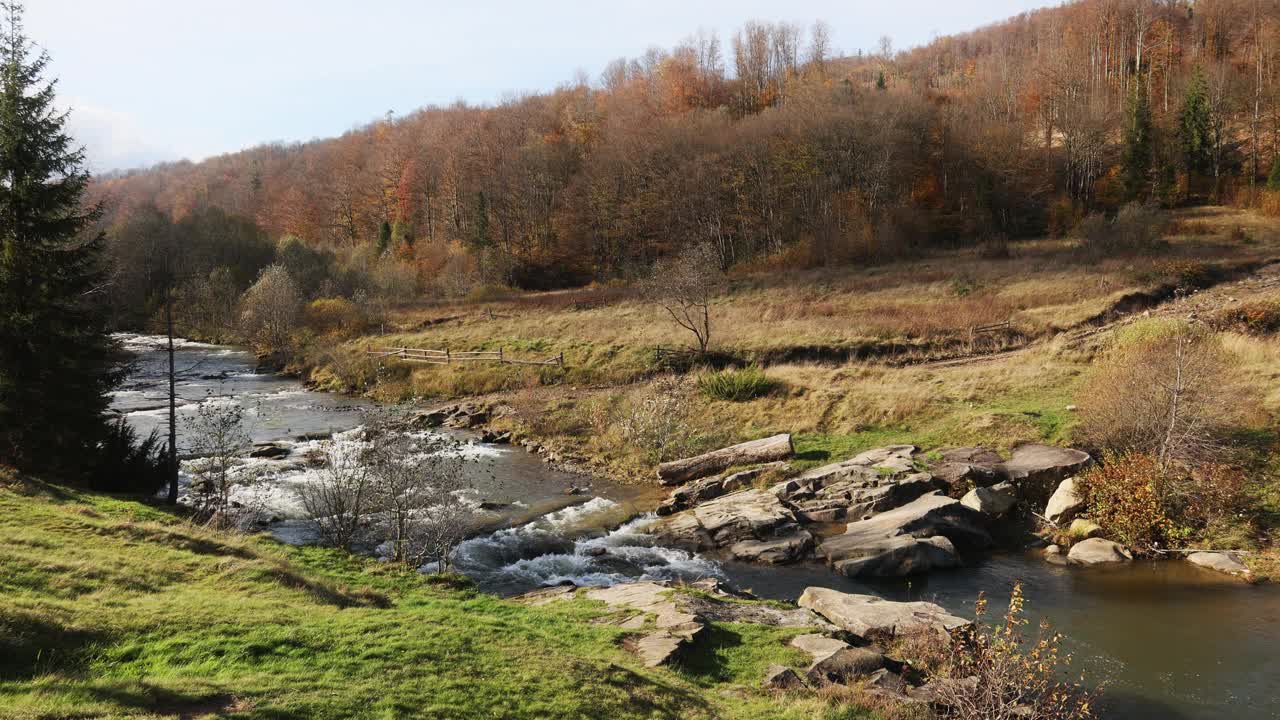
(339, 499)
(1167, 392)
(417, 481)
(218, 438)
(270, 309)
(684, 286)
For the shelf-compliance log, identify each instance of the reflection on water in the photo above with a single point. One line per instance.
(1172, 640)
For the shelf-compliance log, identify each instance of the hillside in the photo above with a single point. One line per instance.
(112, 608)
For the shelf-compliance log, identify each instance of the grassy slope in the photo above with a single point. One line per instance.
(834, 408)
(109, 608)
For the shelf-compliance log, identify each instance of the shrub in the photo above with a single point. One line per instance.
(1135, 228)
(269, 310)
(126, 465)
(736, 385)
(1124, 494)
(994, 671)
(658, 421)
(489, 293)
(1258, 318)
(1164, 388)
(337, 316)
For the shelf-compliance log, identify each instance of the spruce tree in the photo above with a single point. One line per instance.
(1273, 182)
(1194, 125)
(56, 361)
(384, 237)
(1136, 162)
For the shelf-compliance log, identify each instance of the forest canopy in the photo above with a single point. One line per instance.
(766, 147)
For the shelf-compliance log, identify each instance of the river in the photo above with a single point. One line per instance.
(1169, 640)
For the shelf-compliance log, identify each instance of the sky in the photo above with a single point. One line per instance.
(157, 80)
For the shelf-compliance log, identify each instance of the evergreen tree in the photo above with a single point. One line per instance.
(384, 237)
(1273, 182)
(56, 362)
(1137, 145)
(880, 82)
(1195, 125)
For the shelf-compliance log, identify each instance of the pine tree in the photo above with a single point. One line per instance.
(384, 237)
(56, 361)
(1137, 145)
(880, 81)
(1195, 126)
(1273, 182)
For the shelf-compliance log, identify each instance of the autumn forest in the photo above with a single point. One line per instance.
(767, 146)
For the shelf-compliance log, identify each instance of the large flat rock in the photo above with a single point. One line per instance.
(1037, 469)
(726, 520)
(872, 618)
(898, 557)
(930, 516)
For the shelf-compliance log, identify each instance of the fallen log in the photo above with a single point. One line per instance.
(777, 447)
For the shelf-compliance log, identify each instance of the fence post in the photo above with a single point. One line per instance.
(561, 358)
(500, 360)
(448, 359)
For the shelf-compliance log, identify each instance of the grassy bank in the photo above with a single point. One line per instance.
(111, 608)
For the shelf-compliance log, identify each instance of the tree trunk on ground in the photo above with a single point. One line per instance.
(777, 447)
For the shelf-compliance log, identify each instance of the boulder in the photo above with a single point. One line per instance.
(659, 648)
(269, 451)
(1220, 561)
(939, 691)
(995, 500)
(780, 677)
(784, 547)
(870, 617)
(1036, 469)
(728, 519)
(1095, 551)
(844, 665)
(848, 495)
(689, 495)
(886, 683)
(1065, 504)
(894, 458)
(744, 478)
(433, 419)
(964, 468)
(1083, 529)
(819, 646)
(898, 557)
(928, 517)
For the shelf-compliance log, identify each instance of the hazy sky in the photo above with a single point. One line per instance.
(153, 80)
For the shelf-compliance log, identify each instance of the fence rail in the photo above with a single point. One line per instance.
(449, 357)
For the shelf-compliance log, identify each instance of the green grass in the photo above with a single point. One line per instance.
(736, 385)
(110, 608)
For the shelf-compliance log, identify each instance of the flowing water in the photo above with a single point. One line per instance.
(1170, 640)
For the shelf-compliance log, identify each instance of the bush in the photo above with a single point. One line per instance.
(1164, 388)
(1124, 495)
(125, 465)
(994, 671)
(736, 385)
(490, 293)
(1259, 318)
(336, 316)
(1135, 228)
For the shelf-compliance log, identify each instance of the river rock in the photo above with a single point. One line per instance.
(781, 677)
(1084, 529)
(1065, 504)
(689, 495)
(856, 492)
(432, 419)
(1035, 469)
(744, 478)
(1219, 561)
(843, 665)
(964, 468)
(784, 547)
(1095, 551)
(871, 618)
(728, 519)
(995, 500)
(898, 557)
(269, 451)
(819, 646)
(930, 516)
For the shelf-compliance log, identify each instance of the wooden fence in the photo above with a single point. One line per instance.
(449, 357)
